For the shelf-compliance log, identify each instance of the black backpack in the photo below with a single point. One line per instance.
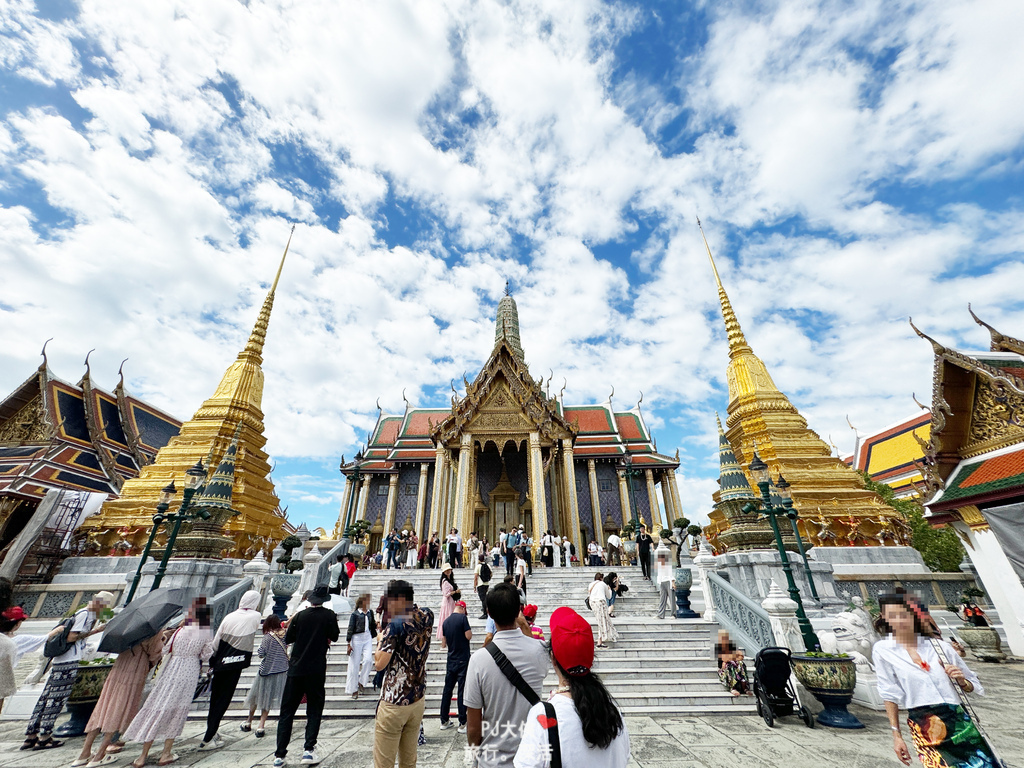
(58, 644)
(572, 549)
(485, 572)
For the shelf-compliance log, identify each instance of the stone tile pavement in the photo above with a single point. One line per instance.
(657, 742)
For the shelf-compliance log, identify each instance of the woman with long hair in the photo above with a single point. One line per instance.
(268, 688)
(599, 594)
(164, 713)
(591, 730)
(362, 628)
(921, 673)
(448, 589)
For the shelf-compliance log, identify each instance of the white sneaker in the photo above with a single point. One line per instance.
(209, 746)
(447, 726)
(462, 729)
(278, 762)
(309, 758)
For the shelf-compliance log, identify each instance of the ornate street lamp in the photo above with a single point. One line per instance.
(353, 494)
(759, 471)
(195, 478)
(786, 493)
(629, 473)
(162, 506)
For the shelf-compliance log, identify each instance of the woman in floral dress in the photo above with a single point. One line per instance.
(600, 594)
(164, 713)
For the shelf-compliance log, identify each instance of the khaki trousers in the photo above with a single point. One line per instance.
(397, 729)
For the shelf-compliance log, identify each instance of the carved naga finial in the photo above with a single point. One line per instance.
(640, 400)
(43, 352)
(87, 360)
(939, 349)
(611, 395)
(919, 404)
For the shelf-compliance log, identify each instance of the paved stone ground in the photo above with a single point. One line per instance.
(659, 742)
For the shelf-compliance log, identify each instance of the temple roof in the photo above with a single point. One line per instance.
(732, 483)
(58, 435)
(983, 479)
(506, 324)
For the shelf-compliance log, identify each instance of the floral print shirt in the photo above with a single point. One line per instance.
(408, 642)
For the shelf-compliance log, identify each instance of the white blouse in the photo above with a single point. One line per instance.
(909, 685)
(534, 748)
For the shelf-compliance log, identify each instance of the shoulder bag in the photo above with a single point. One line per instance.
(513, 676)
(58, 644)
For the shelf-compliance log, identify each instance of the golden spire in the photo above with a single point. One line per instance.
(737, 342)
(259, 331)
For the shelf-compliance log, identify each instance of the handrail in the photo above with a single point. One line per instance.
(337, 552)
(744, 619)
(225, 601)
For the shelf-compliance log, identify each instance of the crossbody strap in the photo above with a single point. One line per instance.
(552, 729)
(512, 674)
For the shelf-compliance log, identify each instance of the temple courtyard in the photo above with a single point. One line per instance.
(739, 741)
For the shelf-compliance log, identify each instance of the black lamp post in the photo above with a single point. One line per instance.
(161, 514)
(786, 493)
(759, 471)
(354, 493)
(629, 473)
(195, 477)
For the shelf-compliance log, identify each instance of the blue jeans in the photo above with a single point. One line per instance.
(612, 599)
(392, 558)
(454, 676)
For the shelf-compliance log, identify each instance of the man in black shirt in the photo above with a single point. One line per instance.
(643, 551)
(456, 637)
(310, 633)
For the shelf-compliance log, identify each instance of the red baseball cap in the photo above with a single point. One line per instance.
(530, 612)
(460, 603)
(572, 641)
(17, 613)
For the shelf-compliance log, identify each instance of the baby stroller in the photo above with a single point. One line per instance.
(773, 687)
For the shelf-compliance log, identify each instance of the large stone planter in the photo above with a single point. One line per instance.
(283, 586)
(684, 582)
(84, 695)
(357, 551)
(831, 680)
(983, 642)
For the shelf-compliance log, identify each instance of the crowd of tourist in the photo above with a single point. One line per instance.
(498, 689)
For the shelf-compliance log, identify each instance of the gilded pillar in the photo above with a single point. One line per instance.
(364, 495)
(627, 510)
(437, 500)
(595, 501)
(346, 498)
(421, 501)
(389, 515)
(537, 499)
(462, 493)
(653, 496)
(572, 502)
(670, 480)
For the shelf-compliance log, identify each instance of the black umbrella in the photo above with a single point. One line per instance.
(142, 619)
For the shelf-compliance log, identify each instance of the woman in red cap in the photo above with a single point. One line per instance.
(589, 727)
(10, 620)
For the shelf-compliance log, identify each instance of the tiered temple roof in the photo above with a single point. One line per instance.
(57, 435)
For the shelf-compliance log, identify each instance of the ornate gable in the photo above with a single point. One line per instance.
(503, 401)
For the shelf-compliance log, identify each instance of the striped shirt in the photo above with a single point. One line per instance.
(275, 658)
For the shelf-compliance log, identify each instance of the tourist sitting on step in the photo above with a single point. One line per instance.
(580, 722)
(731, 670)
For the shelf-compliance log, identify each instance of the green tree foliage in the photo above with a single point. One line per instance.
(940, 548)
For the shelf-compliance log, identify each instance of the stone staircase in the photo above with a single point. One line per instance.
(657, 666)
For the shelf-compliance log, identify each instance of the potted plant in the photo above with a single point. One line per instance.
(84, 694)
(830, 678)
(982, 639)
(290, 542)
(694, 531)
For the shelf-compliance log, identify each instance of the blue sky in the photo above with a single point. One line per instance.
(853, 163)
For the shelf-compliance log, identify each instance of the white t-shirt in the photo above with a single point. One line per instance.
(521, 567)
(664, 572)
(84, 621)
(480, 576)
(534, 750)
(593, 548)
(615, 541)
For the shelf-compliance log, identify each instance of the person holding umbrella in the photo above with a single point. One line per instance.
(165, 711)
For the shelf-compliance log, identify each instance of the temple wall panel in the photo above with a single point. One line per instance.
(488, 472)
(551, 522)
(377, 501)
(518, 473)
(609, 496)
(583, 497)
(642, 501)
(408, 487)
(428, 529)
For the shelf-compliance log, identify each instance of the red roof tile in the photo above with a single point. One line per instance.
(418, 423)
(387, 431)
(589, 419)
(997, 468)
(629, 426)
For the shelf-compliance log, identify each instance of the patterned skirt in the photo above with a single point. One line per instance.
(733, 676)
(946, 737)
